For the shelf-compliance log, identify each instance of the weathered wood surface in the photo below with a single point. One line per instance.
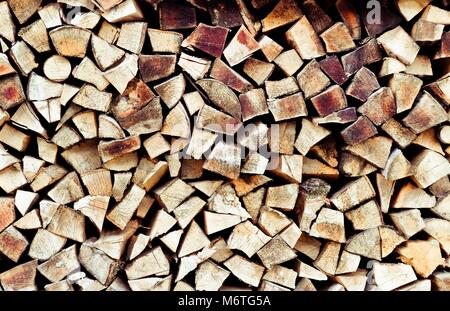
(214, 145)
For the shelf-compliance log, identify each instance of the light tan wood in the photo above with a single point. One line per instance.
(173, 193)
(68, 223)
(51, 15)
(36, 36)
(247, 238)
(269, 47)
(329, 225)
(12, 243)
(399, 44)
(196, 67)
(224, 160)
(105, 54)
(132, 36)
(245, 270)
(20, 278)
(70, 41)
(311, 47)
(259, 71)
(23, 57)
(8, 29)
(240, 47)
(93, 207)
(45, 244)
(409, 222)
(122, 213)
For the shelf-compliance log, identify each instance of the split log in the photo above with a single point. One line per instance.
(379, 147)
(224, 160)
(364, 55)
(7, 212)
(23, 57)
(364, 83)
(193, 206)
(165, 41)
(329, 101)
(8, 29)
(423, 256)
(105, 54)
(281, 276)
(196, 67)
(54, 271)
(68, 223)
(269, 48)
(366, 216)
(113, 149)
(309, 47)
(132, 36)
(253, 104)
(289, 62)
(245, 270)
(426, 114)
(337, 39)
(353, 194)
(12, 92)
(149, 263)
(36, 35)
(312, 87)
(348, 263)
(291, 106)
(276, 251)
(155, 67)
(308, 272)
(121, 214)
(429, 167)
(350, 17)
(126, 11)
(45, 244)
(333, 68)
(91, 98)
(242, 46)
(221, 72)
(87, 71)
(70, 41)
(408, 222)
(284, 13)
(20, 278)
(379, 107)
(29, 221)
(176, 16)
(400, 134)
(309, 136)
(327, 260)
(12, 243)
(329, 225)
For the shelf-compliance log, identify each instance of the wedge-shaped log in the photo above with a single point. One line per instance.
(284, 13)
(352, 194)
(242, 46)
(380, 106)
(426, 114)
(70, 41)
(225, 159)
(122, 213)
(221, 96)
(310, 48)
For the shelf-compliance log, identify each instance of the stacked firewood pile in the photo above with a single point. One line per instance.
(224, 144)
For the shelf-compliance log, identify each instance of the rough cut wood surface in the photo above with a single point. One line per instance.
(224, 144)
